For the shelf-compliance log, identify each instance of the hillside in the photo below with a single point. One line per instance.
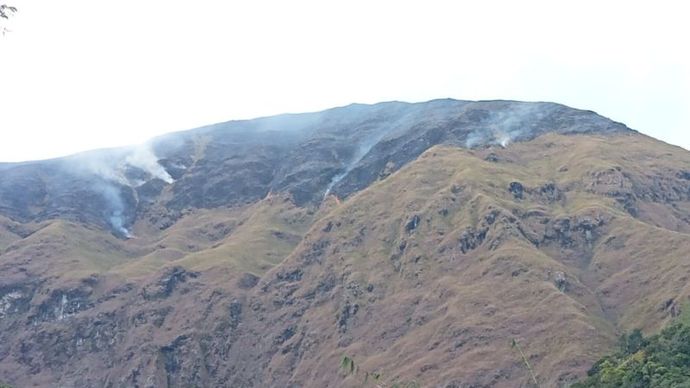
(419, 239)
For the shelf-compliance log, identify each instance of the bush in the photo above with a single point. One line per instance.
(662, 361)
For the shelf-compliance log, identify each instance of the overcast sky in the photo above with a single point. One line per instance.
(87, 74)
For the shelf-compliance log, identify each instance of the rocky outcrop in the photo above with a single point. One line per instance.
(168, 282)
(517, 190)
(15, 300)
(412, 224)
(62, 304)
(471, 238)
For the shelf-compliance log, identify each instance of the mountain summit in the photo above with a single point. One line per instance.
(419, 239)
(338, 151)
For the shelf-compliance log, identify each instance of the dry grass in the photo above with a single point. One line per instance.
(436, 313)
(427, 310)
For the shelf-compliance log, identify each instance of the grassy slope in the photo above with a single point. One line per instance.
(68, 250)
(7, 233)
(250, 239)
(436, 313)
(270, 232)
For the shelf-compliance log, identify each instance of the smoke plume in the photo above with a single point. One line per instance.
(142, 157)
(503, 127)
(116, 216)
(367, 143)
(107, 175)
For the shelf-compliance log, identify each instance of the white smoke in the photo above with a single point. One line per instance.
(503, 127)
(504, 139)
(366, 146)
(475, 139)
(111, 166)
(143, 157)
(362, 151)
(117, 208)
(335, 180)
(101, 167)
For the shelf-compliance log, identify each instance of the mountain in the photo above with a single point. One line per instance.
(418, 239)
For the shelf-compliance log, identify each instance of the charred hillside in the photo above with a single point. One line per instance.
(419, 239)
(339, 151)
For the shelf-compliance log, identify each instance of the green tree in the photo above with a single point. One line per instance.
(660, 361)
(632, 342)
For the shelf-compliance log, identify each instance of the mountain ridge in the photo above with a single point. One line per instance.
(320, 156)
(436, 248)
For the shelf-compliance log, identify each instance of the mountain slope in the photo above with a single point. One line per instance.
(420, 239)
(482, 267)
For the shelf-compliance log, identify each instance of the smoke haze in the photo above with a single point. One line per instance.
(107, 173)
(503, 127)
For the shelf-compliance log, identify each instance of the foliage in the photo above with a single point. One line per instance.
(369, 378)
(6, 11)
(662, 361)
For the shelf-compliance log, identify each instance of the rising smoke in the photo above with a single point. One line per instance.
(366, 144)
(505, 126)
(362, 151)
(143, 157)
(116, 216)
(107, 175)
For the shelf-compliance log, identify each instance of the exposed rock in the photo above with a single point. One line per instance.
(490, 218)
(615, 183)
(290, 276)
(387, 170)
(346, 314)
(248, 281)
(156, 317)
(517, 190)
(63, 304)
(316, 252)
(235, 314)
(570, 231)
(471, 239)
(285, 335)
(492, 157)
(559, 231)
(412, 223)
(550, 192)
(560, 280)
(167, 283)
(15, 300)
(170, 357)
(328, 227)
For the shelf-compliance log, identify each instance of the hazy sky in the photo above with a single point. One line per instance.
(84, 74)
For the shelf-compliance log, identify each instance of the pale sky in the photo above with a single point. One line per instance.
(82, 74)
